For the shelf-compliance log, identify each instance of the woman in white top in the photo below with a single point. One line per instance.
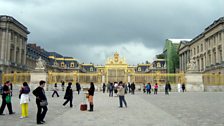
(24, 99)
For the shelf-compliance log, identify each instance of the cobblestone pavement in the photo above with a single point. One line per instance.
(176, 109)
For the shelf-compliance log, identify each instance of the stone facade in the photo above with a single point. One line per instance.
(13, 40)
(206, 50)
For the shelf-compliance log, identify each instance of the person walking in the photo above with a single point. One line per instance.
(55, 90)
(91, 94)
(63, 85)
(148, 88)
(68, 95)
(129, 87)
(156, 88)
(167, 88)
(41, 101)
(183, 87)
(24, 99)
(111, 88)
(104, 87)
(6, 99)
(121, 94)
(78, 87)
(132, 88)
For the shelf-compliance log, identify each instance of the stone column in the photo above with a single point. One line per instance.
(222, 34)
(8, 47)
(129, 78)
(3, 45)
(103, 78)
(15, 47)
(180, 59)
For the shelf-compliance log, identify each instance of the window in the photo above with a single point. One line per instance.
(62, 64)
(201, 47)
(91, 69)
(139, 69)
(158, 64)
(197, 49)
(72, 64)
(194, 51)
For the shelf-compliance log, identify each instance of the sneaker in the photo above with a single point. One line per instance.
(2, 114)
(21, 117)
(40, 123)
(12, 113)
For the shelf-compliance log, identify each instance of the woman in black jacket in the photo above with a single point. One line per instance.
(91, 94)
(40, 98)
(68, 94)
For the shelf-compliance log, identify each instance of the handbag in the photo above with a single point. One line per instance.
(8, 98)
(44, 103)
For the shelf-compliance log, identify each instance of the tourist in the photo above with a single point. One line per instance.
(104, 87)
(78, 87)
(115, 88)
(108, 86)
(41, 101)
(148, 88)
(132, 88)
(183, 87)
(63, 85)
(129, 87)
(167, 88)
(68, 95)
(6, 99)
(24, 99)
(111, 88)
(55, 90)
(91, 94)
(156, 88)
(121, 94)
(144, 88)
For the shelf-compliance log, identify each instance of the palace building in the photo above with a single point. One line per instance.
(117, 69)
(205, 52)
(13, 40)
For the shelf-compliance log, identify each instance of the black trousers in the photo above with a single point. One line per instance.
(9, 105)
(110, 93)
(121, 100)
(55, 92)
(67, 100)
(41, 112)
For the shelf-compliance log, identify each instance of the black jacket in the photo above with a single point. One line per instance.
(68, 93)
(40, 94)
(91, 90)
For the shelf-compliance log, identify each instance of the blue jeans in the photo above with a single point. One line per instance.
(122, 99)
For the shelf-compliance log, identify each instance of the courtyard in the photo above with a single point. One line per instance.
(176, 109)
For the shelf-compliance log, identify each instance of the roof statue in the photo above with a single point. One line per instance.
(116, 59)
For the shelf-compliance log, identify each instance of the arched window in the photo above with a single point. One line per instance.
(91, 69)
(72, 64)
(139, 69)
(62, 64)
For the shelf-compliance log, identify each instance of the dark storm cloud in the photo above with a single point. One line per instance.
(64, 25)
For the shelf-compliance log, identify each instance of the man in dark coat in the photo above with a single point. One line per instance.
(78, 87)
(167, 87)
(40, 97)
(68, 94)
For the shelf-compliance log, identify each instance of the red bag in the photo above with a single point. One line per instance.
(83, 107)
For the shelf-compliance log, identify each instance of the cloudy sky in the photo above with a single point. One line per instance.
(92, 30)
